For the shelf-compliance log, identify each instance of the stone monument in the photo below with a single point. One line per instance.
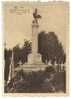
(34, 59)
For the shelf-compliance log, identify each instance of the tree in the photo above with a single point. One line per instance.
(50, 48)
(60, 55)
(42, 44)
(7, 56)
(20, 54)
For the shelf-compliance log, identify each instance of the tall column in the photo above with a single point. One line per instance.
(34, 57)
(35, 27)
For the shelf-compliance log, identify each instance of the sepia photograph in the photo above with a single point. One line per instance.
(36, 37)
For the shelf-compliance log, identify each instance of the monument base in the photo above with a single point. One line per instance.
(31, 67)
(34, 64)
(34, 58)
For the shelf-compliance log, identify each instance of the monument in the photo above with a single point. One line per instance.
(34, 59)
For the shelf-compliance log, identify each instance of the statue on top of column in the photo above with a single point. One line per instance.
(36, 16)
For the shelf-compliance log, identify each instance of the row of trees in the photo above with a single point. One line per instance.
(20, 55)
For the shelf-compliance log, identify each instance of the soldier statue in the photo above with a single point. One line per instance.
(36, 16)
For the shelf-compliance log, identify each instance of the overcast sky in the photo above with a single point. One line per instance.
(17, 19)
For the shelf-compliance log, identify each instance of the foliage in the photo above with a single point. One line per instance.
(50, 48)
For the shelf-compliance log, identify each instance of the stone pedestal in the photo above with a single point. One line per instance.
(31, 67)
(34, 59)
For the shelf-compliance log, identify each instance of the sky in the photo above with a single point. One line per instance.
(17, 21)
